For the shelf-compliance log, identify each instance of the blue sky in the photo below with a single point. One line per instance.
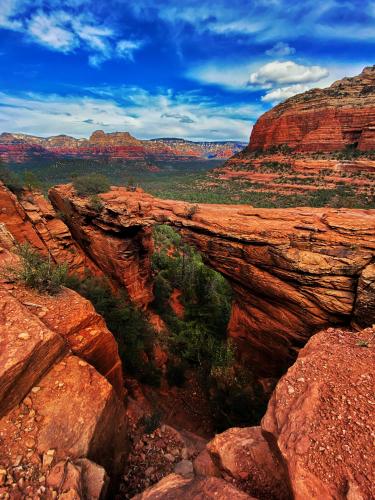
(196, 69)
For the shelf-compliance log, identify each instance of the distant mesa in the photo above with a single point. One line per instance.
(114, 146)
(322, 120)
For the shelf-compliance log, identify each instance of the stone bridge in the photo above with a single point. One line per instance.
(293, 271)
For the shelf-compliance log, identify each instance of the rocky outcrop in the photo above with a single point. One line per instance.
(31, 219)
(115, 146)
(293, 271)
(322, 119)
(319, 421)
(60, 382)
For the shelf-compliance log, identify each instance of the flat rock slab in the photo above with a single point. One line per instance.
(27, 350)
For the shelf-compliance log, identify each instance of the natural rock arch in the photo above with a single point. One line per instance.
(293, 271)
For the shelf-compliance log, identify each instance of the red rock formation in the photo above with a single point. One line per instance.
(244, 454)
(31, 219)
(115, 146)
(293, 271)
(320, 418)
(208, 488)
(322, 119)
(55, 406)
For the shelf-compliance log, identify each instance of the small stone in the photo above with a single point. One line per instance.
(184, 468)
(48, 458)
(24, 336)
(30, 442)
(28, 402)
(17, 461)
(35, 389)
(82, 363)
(290, 389)
(169, 457)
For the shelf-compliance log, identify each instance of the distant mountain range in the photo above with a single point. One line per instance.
(115, 146)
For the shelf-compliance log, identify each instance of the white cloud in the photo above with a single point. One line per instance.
(232, 77)
(280, 94)
(126, 48)
(284, 72)
(66, 29)
(50, 30)
(143, 114)
(281, 49)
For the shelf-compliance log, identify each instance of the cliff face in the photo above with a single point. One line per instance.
(322, 119)
(61, 390)
(293, 271)
(318, 420)
(115, 146)
(31, 219)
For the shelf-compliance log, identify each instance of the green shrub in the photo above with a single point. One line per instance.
(38, 272)
(133, 333)
(95, 203)
(191, 211)
(10, 179)
(91, 184)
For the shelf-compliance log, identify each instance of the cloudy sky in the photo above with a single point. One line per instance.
(185, 68)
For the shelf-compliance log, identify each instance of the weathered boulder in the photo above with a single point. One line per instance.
(176, 486)
(320, 419)
(243, 453)
(27, 350)
(82, 478)
(73, 413)
(75, 319)
(204, 465)
(293, 271)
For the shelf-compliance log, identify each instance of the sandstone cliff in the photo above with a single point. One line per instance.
(293, 271)
(322, 119)
(31, 219)
(61, 390)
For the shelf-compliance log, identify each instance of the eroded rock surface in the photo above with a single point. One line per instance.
(293, 271)
(244, 454)
(322, 119)
(320, 419)
(31, 219)
(55, 406)
(176, 486)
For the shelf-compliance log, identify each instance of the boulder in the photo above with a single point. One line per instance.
(27, 350)
(244, 454)
(320, 417)
(176, 486)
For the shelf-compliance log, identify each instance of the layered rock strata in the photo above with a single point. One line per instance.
(31, 219)
(293, 271)
(322, 119)
(60, 390)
